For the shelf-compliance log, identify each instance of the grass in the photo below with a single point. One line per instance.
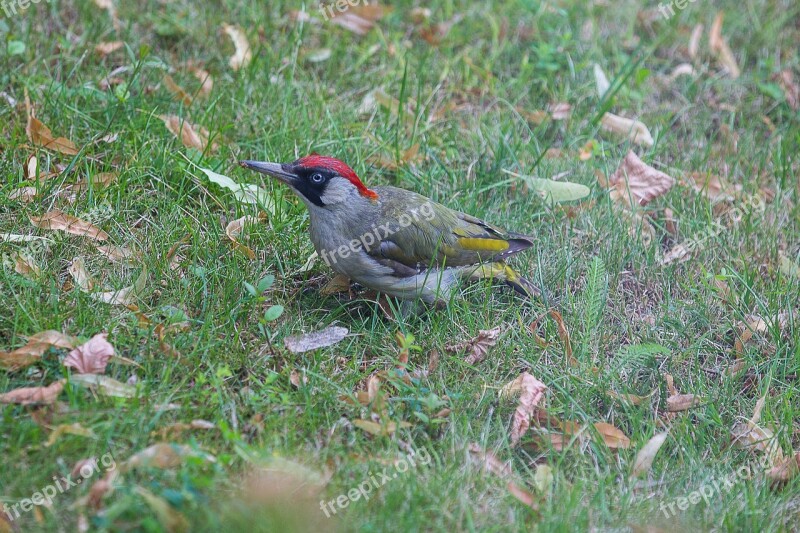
(631, 319)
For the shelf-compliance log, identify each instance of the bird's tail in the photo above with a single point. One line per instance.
(503, 272)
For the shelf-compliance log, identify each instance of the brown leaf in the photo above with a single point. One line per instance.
(785, 470)
(614, 438)
(91, 357)
(57, 220)
(118, 254)
(790, 88)
(358, 19)
(754, 438)
(207, 82)
(26, 266)
(243, 55)
(316, 340)
(587, 150)
(478, 347)
(68, 429)
(107, 47)
(338, 283)
(24, 194)
(191, 136)
(694, 40)
(719, 46)
(40, 135)
(682, 402)
(374, 428)
(491, 464)
(81, 277)
(164, 456)
(435, 33)
(177, 90)
(36, 346)
(712, 187)
(560, 111)
(678, 254)
(234, 229)
(178, 428)
(635, 130)
(34, 395)
(632, 399)
(636, 183)
(533, 393)
(646, 455)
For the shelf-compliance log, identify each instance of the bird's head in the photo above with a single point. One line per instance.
(319, 180)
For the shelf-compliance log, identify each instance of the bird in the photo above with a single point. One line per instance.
(396, 241)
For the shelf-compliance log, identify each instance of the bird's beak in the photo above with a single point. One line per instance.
(278, 171)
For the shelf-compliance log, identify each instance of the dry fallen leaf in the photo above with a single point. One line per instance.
(80, 276)
(478, 347)
(694, 40)
(107, 47)
(68, 429)
(104, 385)
(635, 130)
(191, 136)
(26, 266)
(243, 55)
(234, 229)
(206, 81)
(178, 91)
(40, 135)
(57, 220)
(712, 187)
(636, 183)
(24, 194)
(682, 402)
(36, 346)
(358, 19)
(164, 456)
(316, 340)
(646, 455)
(719, 46)
(678, 254)
(178, 428)
(435, 33)
(560, 111)
(614, 438)
(533, 393)
(124, 296)
(118, 254)
(91, 357)
(490, 463)
(785, 470)
(750, 436)
(34, 395)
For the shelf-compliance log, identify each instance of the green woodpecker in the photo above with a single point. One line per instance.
(392, 240)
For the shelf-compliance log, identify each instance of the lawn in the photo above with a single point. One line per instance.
(653, 388)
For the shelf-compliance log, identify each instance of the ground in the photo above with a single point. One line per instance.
(441, 102)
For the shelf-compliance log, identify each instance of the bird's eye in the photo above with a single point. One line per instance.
(317, 178)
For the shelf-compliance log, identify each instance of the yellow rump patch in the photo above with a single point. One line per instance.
(481, 245)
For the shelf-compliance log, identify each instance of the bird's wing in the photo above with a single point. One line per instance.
(448, 239)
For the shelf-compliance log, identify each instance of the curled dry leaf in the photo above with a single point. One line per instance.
(191, 136)
(635, 130)
(24, 194)
(69, 429)
(34, 395)
(178, 91)
(80, 276)
(754, 438)
(40, 135)
(719, 46)
(26, 266)
(107, 47)
(694, 40)
(36, 346)
(360, 18)
(645, 456)
(533, 393)
(57, 220)
(164, 456)
(316, 340)
(104, 385)
(478, 347)
(245, 193)
(206, 81)
(678, 254)
(684, 69)
(124, 296)
(234, 229)
(491, 464)
(785, 470)
(682, 402)
(613, 437)
(91, 357)
(243, 55)
(118, 254)
(712, 187)
(636, 183)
